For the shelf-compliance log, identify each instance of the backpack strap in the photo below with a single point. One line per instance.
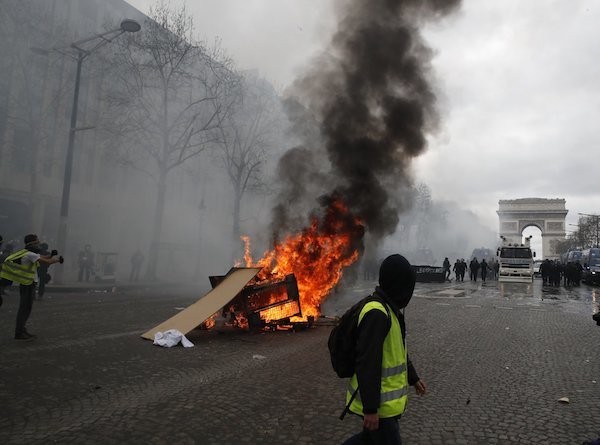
(379, 299)
(347, 407)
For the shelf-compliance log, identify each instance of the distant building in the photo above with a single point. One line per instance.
(548, 215)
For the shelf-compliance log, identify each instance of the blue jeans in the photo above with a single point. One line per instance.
(387, 434)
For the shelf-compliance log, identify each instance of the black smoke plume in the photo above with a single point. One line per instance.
(361, 115)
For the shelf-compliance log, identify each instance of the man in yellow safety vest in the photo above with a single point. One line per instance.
(21, 267)
(383, 371)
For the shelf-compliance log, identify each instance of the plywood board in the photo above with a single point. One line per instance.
(200, 311)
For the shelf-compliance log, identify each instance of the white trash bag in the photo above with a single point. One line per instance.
(171, 338)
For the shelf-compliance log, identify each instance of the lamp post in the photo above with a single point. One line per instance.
(77, 51)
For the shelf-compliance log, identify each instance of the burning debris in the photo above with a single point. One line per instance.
(244, 300)
(316, 255)
(361, 115)
(262, 304)
(211, 303)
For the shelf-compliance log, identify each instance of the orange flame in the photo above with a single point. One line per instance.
(317, 255)
(280, 312)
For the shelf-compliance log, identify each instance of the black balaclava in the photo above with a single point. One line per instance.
(32, 243)
(397, 279)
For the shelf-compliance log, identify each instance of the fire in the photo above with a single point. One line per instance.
(317, 255)
(226, 317)
(280, 311)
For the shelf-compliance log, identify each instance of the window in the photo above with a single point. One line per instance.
(512, 252)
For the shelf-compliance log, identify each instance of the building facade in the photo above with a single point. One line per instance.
(110, 204)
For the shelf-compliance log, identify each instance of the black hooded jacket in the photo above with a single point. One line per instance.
(397, 282)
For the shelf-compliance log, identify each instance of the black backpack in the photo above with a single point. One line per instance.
(343, 337)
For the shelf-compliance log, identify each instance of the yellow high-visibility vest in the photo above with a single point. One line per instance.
(19, 273)
(394, 374)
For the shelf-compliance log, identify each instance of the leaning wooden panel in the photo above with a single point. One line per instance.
(197, 313)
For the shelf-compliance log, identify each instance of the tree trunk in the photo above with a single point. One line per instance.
(237, 202)
(157, 226)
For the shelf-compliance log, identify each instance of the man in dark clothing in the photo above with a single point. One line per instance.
(456, 269)
(446, 266)
(474, 268)
(545, 270)
(380, 347)
(549, 269)
(557, 273)
(5, 253)
(484, 269)
(136, 265)
(578, 273)
(86, 263)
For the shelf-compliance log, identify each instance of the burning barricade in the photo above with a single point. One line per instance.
(286, 286)
(241, 299)
(262, 304)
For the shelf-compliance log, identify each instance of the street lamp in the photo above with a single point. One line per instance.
(77, 51)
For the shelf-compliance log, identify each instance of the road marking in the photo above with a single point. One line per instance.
(504, 307)
(443, 304)
(472, 305)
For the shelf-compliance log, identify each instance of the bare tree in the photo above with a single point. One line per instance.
(563, 246)
(423, 212)
(171, 99)
(248, 135)
(586, 235)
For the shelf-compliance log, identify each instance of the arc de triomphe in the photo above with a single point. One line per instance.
(548, 215)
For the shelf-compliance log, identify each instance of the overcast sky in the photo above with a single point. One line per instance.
(517, 80)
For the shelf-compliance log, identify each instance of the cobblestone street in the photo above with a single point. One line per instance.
(496, 360)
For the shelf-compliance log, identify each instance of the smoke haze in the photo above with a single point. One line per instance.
(370, 97)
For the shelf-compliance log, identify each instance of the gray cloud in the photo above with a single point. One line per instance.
(519, 86)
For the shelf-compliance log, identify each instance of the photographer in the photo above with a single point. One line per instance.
(21, 267)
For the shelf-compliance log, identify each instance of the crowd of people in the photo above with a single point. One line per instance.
(476, 269)
(554, 273)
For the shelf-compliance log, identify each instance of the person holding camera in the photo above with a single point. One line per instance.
(21, 267)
